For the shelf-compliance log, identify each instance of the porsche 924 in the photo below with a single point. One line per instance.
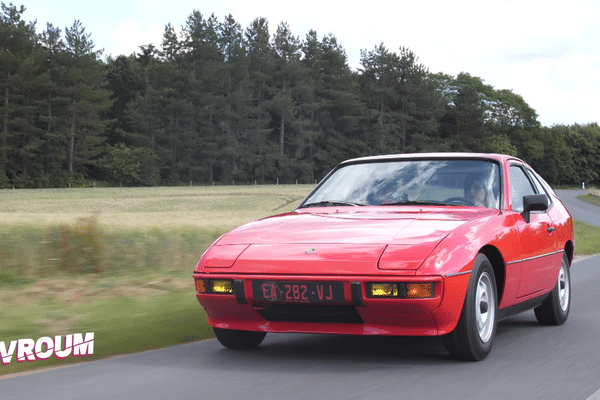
(409, 245)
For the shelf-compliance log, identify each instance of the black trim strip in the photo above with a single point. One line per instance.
(533, 258)
(521, 307)
(238, 289)
(458, 273)
(356, 290)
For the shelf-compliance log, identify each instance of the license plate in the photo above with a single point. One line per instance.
(298, 292)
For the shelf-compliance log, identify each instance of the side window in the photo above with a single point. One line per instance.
(548, 188)
(520, 186)
(536, 183)
(539, 187)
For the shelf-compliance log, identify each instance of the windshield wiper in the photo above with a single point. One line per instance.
(327, 203)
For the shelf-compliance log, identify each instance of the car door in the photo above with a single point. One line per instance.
(539, 256)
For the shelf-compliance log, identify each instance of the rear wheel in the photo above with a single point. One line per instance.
(555, 309)
(239, 340)
(474, 335)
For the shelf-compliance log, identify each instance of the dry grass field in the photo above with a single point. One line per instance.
(208, 207)
(115, 261)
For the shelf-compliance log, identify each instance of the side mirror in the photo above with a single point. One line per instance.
(534, 202)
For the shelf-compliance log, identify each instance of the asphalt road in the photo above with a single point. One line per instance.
(528, 361)
(580, 210)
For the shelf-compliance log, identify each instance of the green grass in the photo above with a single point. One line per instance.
(590, 198)
(587, 238)
(120, 325)
(28, 253)
(12, 278)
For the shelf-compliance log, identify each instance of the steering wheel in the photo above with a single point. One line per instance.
(460, 200)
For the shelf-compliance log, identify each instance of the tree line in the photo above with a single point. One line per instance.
(219, 103)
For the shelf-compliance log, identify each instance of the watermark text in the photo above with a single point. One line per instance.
(61, 347)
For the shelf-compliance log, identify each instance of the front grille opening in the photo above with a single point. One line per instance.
(311, 313)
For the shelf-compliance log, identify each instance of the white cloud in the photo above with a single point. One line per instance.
(129, 35)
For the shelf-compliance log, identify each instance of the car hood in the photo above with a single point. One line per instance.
(325, 241)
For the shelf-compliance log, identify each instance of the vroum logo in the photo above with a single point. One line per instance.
(44, 347)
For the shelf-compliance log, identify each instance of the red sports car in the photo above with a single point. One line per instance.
(413, 244)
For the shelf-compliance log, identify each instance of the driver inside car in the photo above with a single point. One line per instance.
(476, 192)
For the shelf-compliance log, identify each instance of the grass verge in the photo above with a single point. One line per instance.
(590, 198)
(587, 238)
(121, 325)
(133, 289)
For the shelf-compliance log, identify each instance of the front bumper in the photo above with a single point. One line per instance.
(358, 314)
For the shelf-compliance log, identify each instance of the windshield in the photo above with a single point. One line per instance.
(473, 183)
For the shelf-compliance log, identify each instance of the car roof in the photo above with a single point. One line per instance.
(498, 157)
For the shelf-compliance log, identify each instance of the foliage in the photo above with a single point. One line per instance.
(219, 103)
(129, 167)
(79, 249)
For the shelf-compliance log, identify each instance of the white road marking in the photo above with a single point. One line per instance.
(595, 396)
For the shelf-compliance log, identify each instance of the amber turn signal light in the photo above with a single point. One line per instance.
(419, 290)
(200, 286)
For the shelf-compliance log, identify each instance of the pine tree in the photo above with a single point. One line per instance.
(17, 68)
(125, 82)
(85, 81)
(341, 113)
(261, 152)
(238, 103)
(53, 108)
(403, 100)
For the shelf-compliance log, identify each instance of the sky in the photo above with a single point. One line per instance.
(547, 51)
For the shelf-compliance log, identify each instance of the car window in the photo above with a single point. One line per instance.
(538, 185)
(520, 186)
(545, 184)
(452, 182)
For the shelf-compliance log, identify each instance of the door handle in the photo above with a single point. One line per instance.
(551, 229)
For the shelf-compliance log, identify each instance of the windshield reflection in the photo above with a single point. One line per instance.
(473, 183)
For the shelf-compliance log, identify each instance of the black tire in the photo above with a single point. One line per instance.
(473, 337)
(239, 340)
(555, 309)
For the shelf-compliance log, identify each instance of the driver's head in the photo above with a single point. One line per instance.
(475, 190)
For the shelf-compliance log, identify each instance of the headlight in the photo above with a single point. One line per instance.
(222, 286)
(214, 286)
(401, 290)
(384, 289)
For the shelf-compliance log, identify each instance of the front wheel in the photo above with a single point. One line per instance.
(474, 335)
(239, 340)
(555, 309)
